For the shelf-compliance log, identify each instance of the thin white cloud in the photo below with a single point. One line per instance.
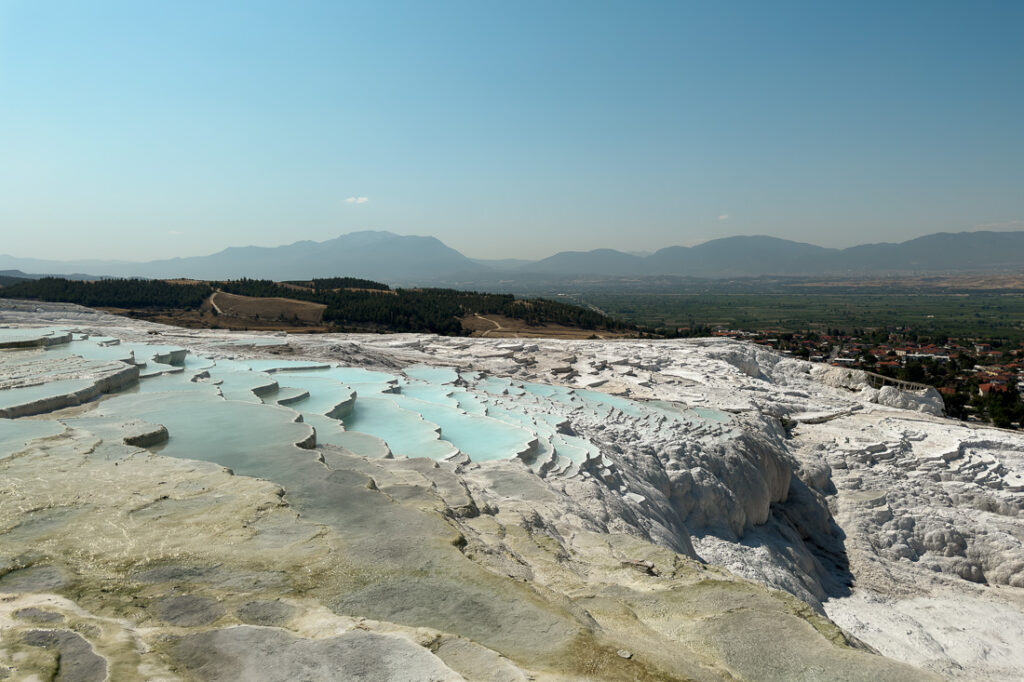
(724, 216)
(1006, 226)
(174, 232)
(357, 200)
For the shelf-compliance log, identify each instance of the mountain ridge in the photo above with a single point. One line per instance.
(759, 255)
(397, 258)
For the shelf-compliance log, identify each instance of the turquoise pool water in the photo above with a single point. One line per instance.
(355, 375)
(244, 385)
(439, 395)
(15, 434)
(12, 397)
(9, 336)
(711, 415)
(432, 375)
(481, 438)
(326, 396)
(282, 365)
(174, 383)
(405, 432)
(499, 386)
(623, 405)
(90, 350)
(207, 427)
(470, 403)
(222, 409)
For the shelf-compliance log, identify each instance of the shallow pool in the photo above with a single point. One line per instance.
(481, 438)
(225, 410)
(207, 427)
(15, 434)
(405, 432)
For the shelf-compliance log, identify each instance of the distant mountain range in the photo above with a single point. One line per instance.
(759, 256)
(370, 255)
(426, 260)
(10, 276)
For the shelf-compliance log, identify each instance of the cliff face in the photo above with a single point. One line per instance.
(677, 510)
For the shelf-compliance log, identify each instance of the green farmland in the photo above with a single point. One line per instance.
(960, 315)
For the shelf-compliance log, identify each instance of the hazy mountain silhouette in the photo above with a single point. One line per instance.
(371, 255)
(403, 259)
(728, 257)
(760, 255)
(596, 262)
(380, 255)
(734, 256)
(943, 251)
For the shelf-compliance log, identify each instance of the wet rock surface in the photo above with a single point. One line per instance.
(250, 653)
(38, 615)
(33, 579)
(189, 610)
(77, 662)
(266, 612)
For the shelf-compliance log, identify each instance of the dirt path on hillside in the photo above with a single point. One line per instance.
(497, 325)
(213, 302)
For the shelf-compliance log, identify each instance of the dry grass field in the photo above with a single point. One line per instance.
(241, 313)
(268, 309)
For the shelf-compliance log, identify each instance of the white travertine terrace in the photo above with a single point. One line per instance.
(588, 473)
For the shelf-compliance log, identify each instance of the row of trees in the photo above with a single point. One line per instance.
(112, 293)
(536, 311)
(327, 283)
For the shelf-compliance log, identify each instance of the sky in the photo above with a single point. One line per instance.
(141, 130)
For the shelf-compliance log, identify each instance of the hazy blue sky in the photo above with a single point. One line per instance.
(142, 129)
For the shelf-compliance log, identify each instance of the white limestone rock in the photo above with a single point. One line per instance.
(864, 503)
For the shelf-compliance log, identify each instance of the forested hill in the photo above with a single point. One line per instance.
(112, 293)
(351, 303)
(414, 310)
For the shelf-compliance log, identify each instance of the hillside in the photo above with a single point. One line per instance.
(369, 306)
